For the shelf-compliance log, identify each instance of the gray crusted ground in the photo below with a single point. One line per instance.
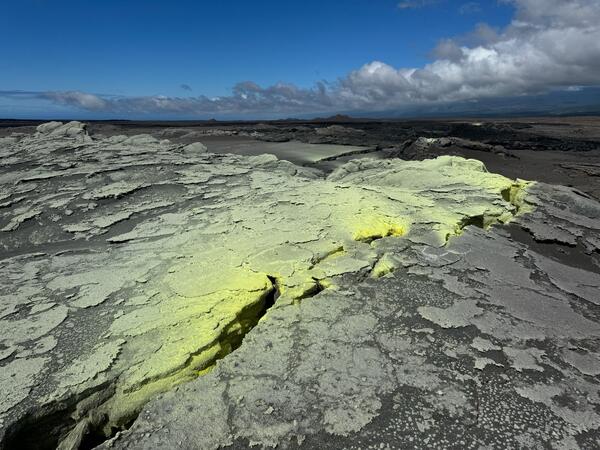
(427, 305)
(482, 344)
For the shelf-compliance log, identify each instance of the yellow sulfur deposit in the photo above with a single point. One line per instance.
(285, 237)
(374, 227)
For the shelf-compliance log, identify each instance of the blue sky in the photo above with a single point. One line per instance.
(144, 49)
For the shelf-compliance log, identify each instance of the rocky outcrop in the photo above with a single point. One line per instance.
(73, 130)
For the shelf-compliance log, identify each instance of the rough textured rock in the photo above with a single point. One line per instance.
(392, 302)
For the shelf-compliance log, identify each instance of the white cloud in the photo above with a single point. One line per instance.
(550, 44)
(80, 99)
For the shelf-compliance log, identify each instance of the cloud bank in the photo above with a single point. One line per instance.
(550, 44)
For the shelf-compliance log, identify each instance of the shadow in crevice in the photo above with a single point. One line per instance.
(54, 426)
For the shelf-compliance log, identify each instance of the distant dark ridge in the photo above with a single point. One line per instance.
(337, 119)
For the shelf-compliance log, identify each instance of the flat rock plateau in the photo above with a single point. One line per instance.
(301, 285)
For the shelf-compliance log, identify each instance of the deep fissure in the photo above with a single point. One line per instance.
(312, 291)
(56, 427)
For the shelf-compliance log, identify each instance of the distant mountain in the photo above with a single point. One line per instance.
(336, 118)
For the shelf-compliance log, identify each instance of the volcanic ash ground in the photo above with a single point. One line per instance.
(155, 295)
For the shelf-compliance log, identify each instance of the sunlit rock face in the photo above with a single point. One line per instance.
(131, 265)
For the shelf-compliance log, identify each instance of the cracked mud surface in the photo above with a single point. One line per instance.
(425, 304)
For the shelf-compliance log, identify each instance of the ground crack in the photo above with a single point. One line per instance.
(312, 291)
(62, 425)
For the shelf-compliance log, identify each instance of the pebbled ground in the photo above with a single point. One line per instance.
(388, 304)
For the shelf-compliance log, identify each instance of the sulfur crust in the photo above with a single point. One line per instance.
(210, 299)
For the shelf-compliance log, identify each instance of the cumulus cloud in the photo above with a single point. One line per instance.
(247, 97)
(550, 44)
(80, 99)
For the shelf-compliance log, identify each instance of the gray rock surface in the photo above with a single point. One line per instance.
(391, 304)
(470, 345)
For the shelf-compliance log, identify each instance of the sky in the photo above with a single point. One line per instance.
(244, 59)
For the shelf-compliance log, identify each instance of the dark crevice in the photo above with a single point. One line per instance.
(54, 424)
(477, 221)
(313, 290)
(33, 432)
(272, 296)
(95, 436)
(45, 428)
(370, 239)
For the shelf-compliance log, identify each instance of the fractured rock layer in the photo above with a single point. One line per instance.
(131, 265)
(481, 343)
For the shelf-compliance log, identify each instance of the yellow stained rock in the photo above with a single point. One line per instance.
(291, 240)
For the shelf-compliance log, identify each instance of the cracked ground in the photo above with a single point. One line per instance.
(155, 295)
